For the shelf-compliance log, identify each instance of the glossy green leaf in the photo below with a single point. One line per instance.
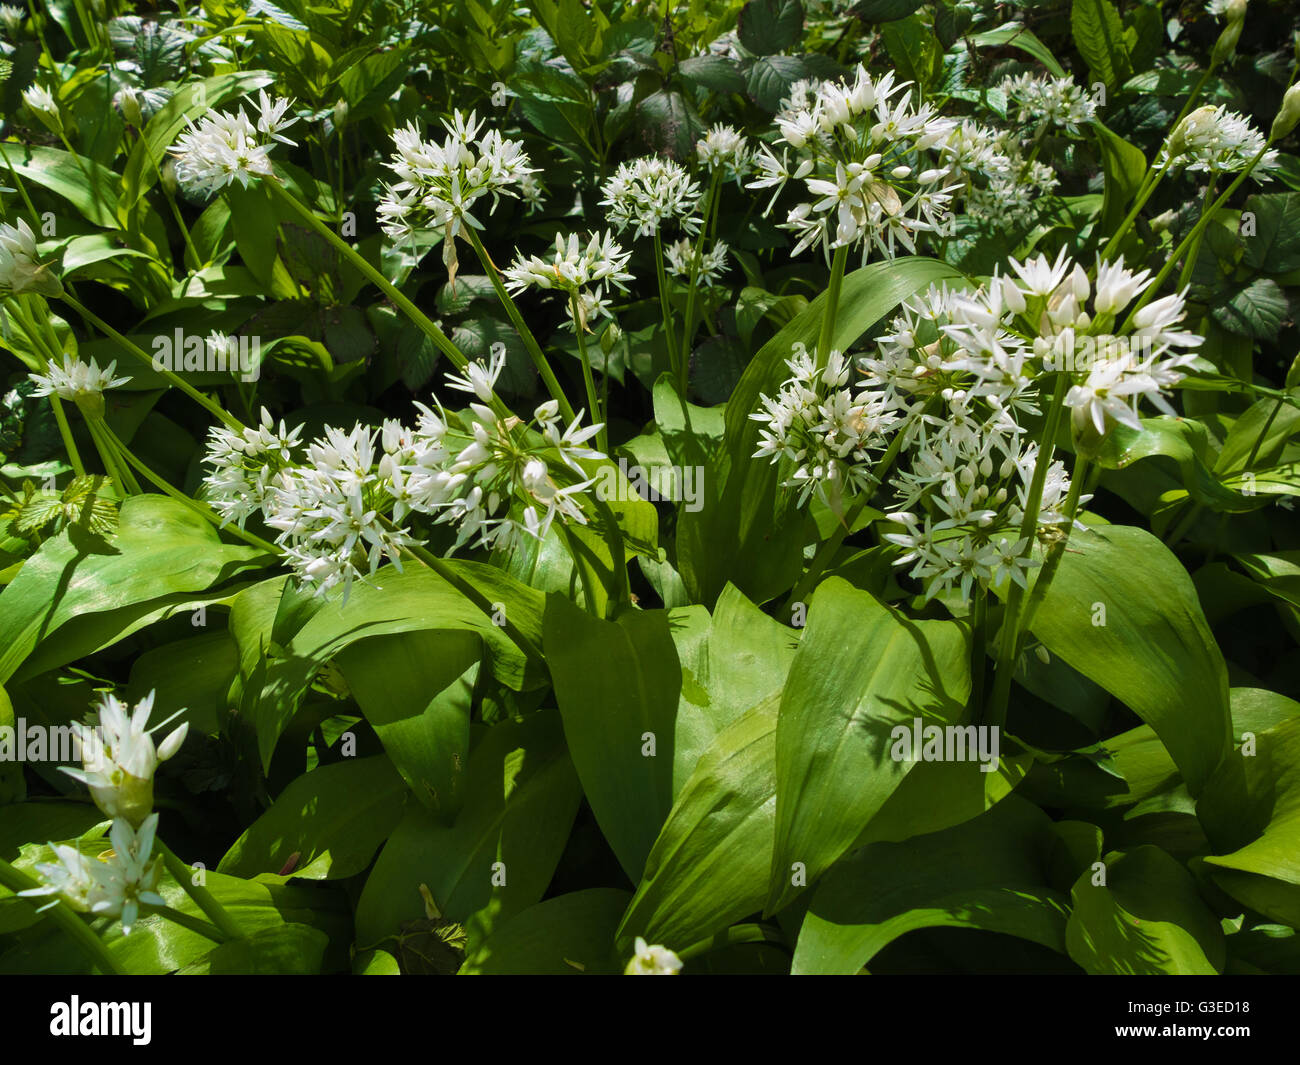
(861, 672)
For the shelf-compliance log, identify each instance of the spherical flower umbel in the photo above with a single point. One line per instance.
(119, 758)
(679, 258)
(581, 271)
(1049, 101)
(116, 884)
(224, 148)
(724, 149)
(1216, 141)
(645, 193)
(246, 465)
(869, 159)
(440, 185)
(654, 960)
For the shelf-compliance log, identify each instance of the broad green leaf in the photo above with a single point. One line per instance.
(1146, 919)
(617, 684)
(89, 187)
(1275, 246)
(326, 825)
(1124, 166)
(730, 663)
(1123, 612)
(1251, 813)
(709, 866)
(861, 672)
(281, 950)
(1014, 35)
(95, 591)
(714, 72)
(1099, 36)
(417, 689)
(499, 855)
(766, 27)
(565, 936)
(986, 873)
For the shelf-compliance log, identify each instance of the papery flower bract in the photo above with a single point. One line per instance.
(19, 271)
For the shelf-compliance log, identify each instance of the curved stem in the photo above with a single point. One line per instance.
(203, 898)
(140, 355)
(588, 381)
(66, 918)
(1011, 619)
(670, 337)
(827, 335)
(533, 348)
(194, 924)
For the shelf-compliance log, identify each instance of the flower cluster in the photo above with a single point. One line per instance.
(645, 193)
(723, 148)
(112, 885)
(346, 505)
(964, 368)
(1049, 102)
(1003, 187)
(76, 380)
(680, 257)
(19, 270)
(439, 185)
(824, 428)
(580, 271)
(119, 760)
(246, 465)
(869, 158)
(224, 148)
(1217, 141)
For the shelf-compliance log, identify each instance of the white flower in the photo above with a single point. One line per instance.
(481, 380)
(11, 18)
(1049, 101)
(871, 162)
(114, 885)
(119, 758)
(41, 102)
(723, 148)
(573, 266)
(680, 258)
(224, 148)
(19, 270)
(652, 961)
(1217, 141)
(645, 193)
(440, 184)
(76, 379)
(246, 464)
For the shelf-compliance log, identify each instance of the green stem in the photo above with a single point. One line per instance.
(670, 335)
(1006, 660)
(1057, 551)
(697, 259)
(200, 508)
(1187, 241)
(108, 455)
(194, 924)
(533, 348)
(588, 381)
(1144, 193)
(1190, 264)
(979, 650)
(417, 316)
(66, 918)
(195, 262)
(203, 898)
(139, 354)
(65, 431)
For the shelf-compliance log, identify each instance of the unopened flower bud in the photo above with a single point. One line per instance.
(1287, 115)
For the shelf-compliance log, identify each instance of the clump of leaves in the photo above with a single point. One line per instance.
(38, 513)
